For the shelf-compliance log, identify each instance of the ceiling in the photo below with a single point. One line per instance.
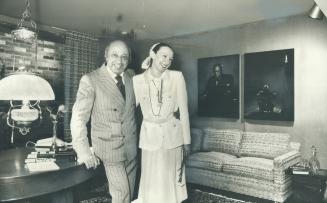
(153, 19)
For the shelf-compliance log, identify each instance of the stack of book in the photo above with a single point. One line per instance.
(298, 169)
(61, 151)
(34, 163)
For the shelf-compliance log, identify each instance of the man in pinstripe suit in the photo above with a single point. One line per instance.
(106, 95)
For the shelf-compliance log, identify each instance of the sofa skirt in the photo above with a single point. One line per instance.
(260, 188)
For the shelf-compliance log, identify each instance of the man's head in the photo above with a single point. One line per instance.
(117, 56)
(217, 70)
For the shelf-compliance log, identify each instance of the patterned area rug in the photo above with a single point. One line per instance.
(195, 196)
(100, 199)
(198, 196)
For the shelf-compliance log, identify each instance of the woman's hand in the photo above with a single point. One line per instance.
(186, 150)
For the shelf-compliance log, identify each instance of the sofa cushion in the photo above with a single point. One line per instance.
(226, 141)
(250, 167)
(196, 137)
(208, 160)
(264, 145)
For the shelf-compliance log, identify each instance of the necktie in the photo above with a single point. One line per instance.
(120, 85)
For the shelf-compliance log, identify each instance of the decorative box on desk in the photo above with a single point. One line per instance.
(309, 188)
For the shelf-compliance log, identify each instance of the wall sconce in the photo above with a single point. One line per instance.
(24, 85)
(316, 13)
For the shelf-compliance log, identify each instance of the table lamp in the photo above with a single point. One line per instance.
(30, 89)
(23, 84)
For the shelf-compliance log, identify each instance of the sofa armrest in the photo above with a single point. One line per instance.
(196, 140)
(287, 160)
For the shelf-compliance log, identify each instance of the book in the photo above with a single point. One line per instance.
(301, 172)
(300, 169)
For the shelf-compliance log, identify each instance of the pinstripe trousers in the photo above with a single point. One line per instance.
(121, 184)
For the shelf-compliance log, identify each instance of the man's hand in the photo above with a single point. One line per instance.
(92, 162)
(186, 150)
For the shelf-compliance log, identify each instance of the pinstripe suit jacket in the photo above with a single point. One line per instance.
(113, 127)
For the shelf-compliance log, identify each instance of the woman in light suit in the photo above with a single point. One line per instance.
(164, 139)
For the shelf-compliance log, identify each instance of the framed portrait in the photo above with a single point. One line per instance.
(218, 86)
(269, 85)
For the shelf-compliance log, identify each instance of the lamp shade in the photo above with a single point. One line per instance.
(316, 13)
(24, 34)
(25, 86)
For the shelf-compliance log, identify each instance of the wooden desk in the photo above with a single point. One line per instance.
(309, 188)
(17, 183)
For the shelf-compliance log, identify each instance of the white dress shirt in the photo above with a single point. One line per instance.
(114, 75)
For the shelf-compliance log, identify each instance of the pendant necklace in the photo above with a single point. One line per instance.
(159, 97)
(159, 91)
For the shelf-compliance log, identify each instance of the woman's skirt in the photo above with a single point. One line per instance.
(161, 178)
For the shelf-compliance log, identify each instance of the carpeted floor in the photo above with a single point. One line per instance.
(198, 196)
(195, 196)
(100, 199)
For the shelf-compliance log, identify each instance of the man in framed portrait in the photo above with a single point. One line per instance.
(218, 97)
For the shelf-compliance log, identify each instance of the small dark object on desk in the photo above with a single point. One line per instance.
(67, 154)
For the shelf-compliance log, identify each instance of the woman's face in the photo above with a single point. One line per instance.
(162, 59)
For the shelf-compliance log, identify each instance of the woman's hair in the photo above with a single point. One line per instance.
(159, 45)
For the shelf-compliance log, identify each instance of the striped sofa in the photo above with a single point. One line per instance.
(249, 163)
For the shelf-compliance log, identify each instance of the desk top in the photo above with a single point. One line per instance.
(12, 163)
(322, 175)
(16, 182)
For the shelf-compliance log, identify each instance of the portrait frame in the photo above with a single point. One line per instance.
(219, 95)
(269, 85)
